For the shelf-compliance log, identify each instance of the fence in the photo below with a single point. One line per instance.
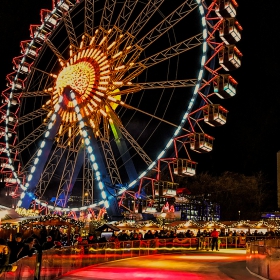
(263, 258)
(53, 263)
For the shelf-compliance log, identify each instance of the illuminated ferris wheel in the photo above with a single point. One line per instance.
(104, 89)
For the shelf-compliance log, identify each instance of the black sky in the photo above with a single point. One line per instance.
(248, 143)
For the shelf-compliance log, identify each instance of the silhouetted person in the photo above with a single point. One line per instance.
(15, 246)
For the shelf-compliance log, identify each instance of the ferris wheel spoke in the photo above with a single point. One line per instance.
(109, 155)
(89, 17)
(107, 14)
(150, 8)
(167, 23)
(167, 84)
(31, 94)
(130, 139)
(70, 30)
(34, 114)
(150, 115)
(125, 13)
(31, 138)
(159, 57)
(55, 50)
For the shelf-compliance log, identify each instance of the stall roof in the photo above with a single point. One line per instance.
(7, 213)
(107, 227)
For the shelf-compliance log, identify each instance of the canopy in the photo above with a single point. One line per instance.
(107, 227)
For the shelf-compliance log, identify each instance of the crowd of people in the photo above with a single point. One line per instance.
(17, 248)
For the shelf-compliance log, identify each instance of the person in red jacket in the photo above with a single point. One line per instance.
(215, 236)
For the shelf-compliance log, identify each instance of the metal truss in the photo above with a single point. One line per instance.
(89, 17)
(131, 140)
(55, 50)
(70, 30)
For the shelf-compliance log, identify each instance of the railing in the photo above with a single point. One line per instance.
(263, 258)
(53, 263)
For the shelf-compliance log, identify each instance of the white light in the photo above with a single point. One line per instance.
(90, 149)
(39, 152)
(100, 185)
(50, 125)
(85, 133)
(103, 194)
(161, 154)
(36, 160)
(169, 143)
(106, 204)
(42, 144)
(19, 203)
(87, 141)
(29, 177)
(22, 195)
(92, 158)
(33, 169)
(47, 135)
(95, 166)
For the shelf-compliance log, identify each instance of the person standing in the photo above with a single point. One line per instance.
(215, 236)
(15, 246)
(4, 258)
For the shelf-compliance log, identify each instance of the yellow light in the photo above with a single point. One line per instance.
(49, 114)
(90, 107)
(83, 53)
(92, 123)
(104, 62)
(100, 60)
(104, 77)
(61, 62)
(104, 67)
(92, 40)
(105, 72)
(93, 103)
(96, 98)
(111, 45)
(103, 113)
(103, 83)
(48, 102)
(71, 51)
(100, 93)
(120, 67)
(102, 41)
(86, 53)
(129, 47)
(102, 88)
(111, 98)
(69, 131)
(71, 60)
(67, 116)
(96, 54)
(75, 58)
(79, 55)
(60, 129)
(118, 83)
(116, 55)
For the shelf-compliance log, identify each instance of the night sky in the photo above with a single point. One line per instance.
(248, 143)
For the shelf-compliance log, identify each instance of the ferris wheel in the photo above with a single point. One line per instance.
(103, 90)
